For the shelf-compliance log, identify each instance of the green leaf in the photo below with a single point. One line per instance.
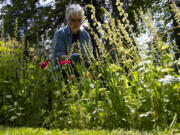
(8, 96)
(4, 108)
(114, 68)
(164, 46)
(57, 93)
(166, 58)
(135, 75)
(6, 82)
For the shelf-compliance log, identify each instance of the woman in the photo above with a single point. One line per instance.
(71, 39)
(67, 38)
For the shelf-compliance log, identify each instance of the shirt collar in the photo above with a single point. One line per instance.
(69, 31)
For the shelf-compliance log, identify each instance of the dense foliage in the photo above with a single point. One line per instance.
(40, 131)
(125, 88)
(35, 18)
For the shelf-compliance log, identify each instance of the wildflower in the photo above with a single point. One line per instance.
(64, 62)
(92, 86)
(147, 62)
(72, 77)
(44, 64)
(88, 75)
(168, 80)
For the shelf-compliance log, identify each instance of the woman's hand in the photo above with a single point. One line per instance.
(62, 57)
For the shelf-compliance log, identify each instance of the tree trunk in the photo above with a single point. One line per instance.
(175, 24)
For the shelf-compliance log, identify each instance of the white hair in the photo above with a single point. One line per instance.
(74, 9)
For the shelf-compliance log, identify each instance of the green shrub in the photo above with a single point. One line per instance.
(124, 89)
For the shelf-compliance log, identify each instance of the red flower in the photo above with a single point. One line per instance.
(88, 75)
(44, 64)
(64, 62)
(72, 77)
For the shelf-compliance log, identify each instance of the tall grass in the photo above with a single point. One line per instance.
(124, 89)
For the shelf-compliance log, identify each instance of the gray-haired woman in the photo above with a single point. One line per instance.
(66, 40)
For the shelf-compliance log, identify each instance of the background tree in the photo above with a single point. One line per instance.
(35, 20)
(175, 12)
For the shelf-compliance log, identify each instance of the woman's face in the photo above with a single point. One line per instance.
(74, 22)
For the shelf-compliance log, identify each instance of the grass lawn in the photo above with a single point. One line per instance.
(42, 131)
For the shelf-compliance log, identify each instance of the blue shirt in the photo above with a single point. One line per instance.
(62, 41)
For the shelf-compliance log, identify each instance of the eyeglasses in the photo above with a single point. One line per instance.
(76, 20)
